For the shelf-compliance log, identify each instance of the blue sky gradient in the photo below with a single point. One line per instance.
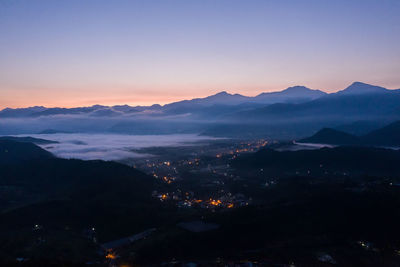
(73, 53)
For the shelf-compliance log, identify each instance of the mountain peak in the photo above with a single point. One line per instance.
(297, 88)
(356, 83)
(300, 90)
(222, 93)
(357, 88)
(97, 106)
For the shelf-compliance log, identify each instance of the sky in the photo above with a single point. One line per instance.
(84, 52)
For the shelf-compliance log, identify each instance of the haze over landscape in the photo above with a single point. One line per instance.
(199, 133)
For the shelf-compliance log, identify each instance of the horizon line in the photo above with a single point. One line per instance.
(167, 103)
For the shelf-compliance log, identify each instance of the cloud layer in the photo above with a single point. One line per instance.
(112, 146)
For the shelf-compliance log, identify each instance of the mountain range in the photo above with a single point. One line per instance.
(296, 94)
(289, 114)
(293, 99)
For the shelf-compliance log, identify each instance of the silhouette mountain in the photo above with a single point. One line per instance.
(15, 152)
(83, 193)
(222, 98)
(362, 127)
(331, 136)
(339, 107)
(386, 136)
(359, 88)
(296, 111)
(21, 112)
(28, 139)
(295, 94)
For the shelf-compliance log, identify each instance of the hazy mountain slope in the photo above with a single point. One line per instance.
(286, 114)
(362, 127)
(386, 136)
(331, 136)
(295, 94)
(20, 112)
(359, 88)
(224, 102)
(338, 107)
(223, 98)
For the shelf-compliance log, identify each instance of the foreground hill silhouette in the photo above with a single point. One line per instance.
(28, 139)
(57, 193)
(17, 152)
(386, 136)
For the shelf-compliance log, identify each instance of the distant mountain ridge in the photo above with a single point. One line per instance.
(291, 95)
(343, 104)
(295, 94)
(359, 88)
(289, 114)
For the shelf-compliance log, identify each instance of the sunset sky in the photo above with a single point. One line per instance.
(85, 52)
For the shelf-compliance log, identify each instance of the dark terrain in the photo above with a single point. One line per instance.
(308, 208)
(386, 136)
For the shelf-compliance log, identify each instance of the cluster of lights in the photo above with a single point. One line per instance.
(214, 202)
(207, 203)
(111, 255)
(168, 179)
(219, 203)
(259, 144)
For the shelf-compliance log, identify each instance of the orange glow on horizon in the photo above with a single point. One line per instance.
(143, 96)
(110, 94)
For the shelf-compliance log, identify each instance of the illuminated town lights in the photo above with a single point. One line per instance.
(111, 255)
